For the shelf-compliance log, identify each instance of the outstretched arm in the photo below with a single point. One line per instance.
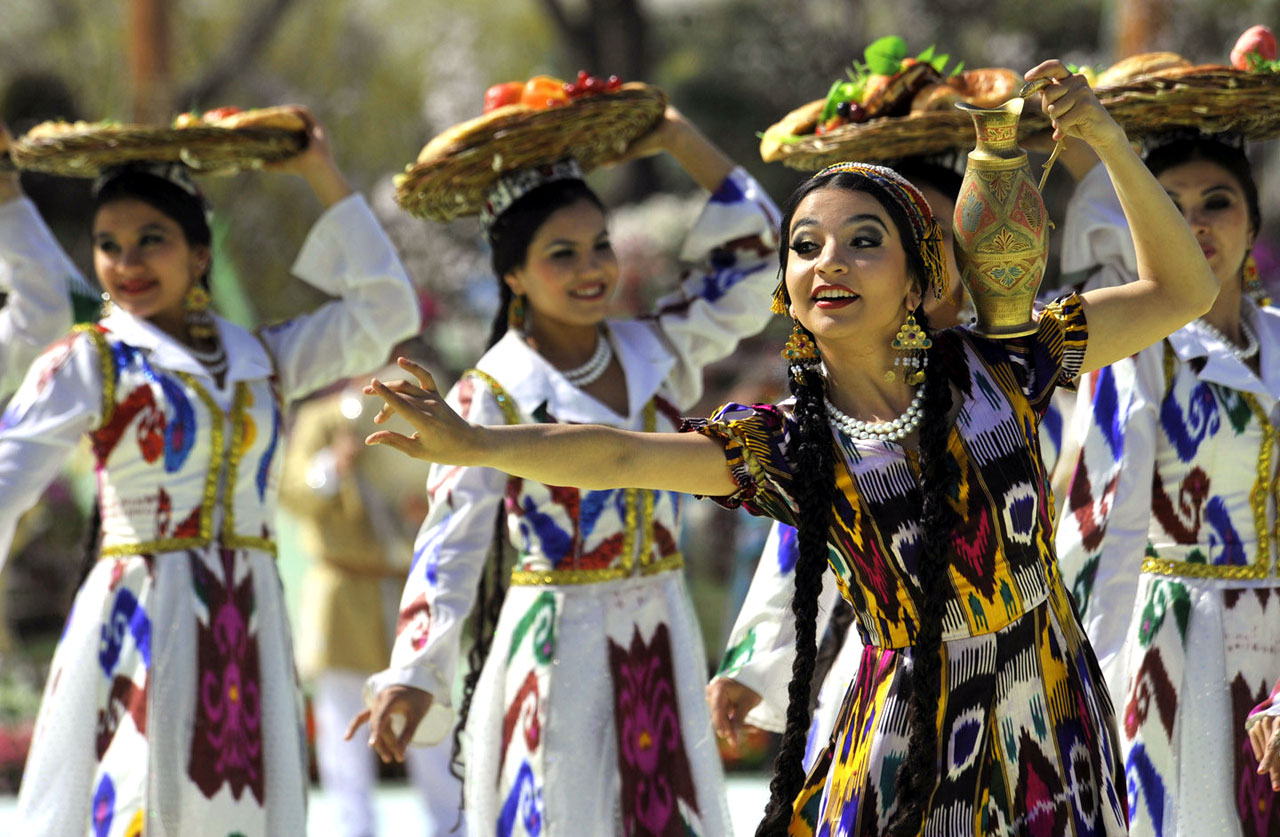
(584, 456)
(701, 158)
(1175, 284)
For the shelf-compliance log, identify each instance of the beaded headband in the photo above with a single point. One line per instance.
(176, 174)
(511, 187)
(926, 234)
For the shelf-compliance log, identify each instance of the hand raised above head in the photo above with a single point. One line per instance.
(1071, 104)
(440, 434)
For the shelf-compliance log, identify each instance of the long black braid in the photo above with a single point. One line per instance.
(918, 773)
(813, 457)
(509, 239)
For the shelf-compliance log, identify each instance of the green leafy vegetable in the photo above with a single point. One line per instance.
(885, 55)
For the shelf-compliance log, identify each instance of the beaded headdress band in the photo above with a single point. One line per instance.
(511, 187)
(926, 234)
(176, 174)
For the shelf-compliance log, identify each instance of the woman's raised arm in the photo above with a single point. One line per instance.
(585, 456)
(1175, 283)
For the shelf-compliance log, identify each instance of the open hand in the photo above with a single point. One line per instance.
(730, 701)
(393, 720)
(1264, 737)
(440, 434)
(1073, 107)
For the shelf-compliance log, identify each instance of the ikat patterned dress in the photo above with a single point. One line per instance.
(1025, 729)
(1169, 545)
(589, 716)
(172, 707)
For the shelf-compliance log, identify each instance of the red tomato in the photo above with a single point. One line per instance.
(1257, 39)
(219, 113)
(543, 92)
(507, 93)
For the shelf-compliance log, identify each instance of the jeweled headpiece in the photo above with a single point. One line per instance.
(512, 187)
(926, 234)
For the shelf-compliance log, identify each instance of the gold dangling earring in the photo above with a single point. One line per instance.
(800, 349)
(515, 313)
(1251, 282)
(200, 323)
(107, 307)
(911, 342)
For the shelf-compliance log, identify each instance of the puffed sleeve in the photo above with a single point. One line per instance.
(1102, 537)
(448, 556)
(1270, 706)
(348, 255)
(37, 276)
(762, 644)
(60, 400)
(756, 440)
(731, 268)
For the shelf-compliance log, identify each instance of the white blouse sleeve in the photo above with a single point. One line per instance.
(60, 401)
(347, 254)
(449, 555)
(37, 276)
(762, 644)
(1096, 233)
(1102, 536)
(731, 270)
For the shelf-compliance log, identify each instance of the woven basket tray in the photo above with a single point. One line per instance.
(892, 138)
(205, 149)
(1213, 99)
(453, 178)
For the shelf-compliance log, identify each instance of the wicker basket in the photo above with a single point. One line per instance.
(892, 138)
(205, 149)
(1213, 99)
(453, 178)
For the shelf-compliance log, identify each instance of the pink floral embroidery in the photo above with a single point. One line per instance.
(226, 745)
(651, 757)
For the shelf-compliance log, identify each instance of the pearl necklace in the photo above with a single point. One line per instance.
(885, 431)
(214, 361)
(1250, 347)
(590, 372)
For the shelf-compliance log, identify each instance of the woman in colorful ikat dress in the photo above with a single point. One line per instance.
(588, 716)
(979, 707)
(750, 686)
(172, 706)
(1169, 538)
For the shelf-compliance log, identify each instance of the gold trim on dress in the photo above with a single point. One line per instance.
(107, 365)
(505, 402)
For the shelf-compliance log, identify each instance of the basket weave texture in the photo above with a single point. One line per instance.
(1213, 99)
(453, 179)
(205, 149)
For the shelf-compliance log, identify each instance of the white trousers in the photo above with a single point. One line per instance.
(348, 768)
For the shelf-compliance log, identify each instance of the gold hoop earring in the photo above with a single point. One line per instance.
(910, 342)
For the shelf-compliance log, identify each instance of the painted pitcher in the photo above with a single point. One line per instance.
(1001, 229)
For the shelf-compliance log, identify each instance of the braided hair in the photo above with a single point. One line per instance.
(509, 237)
(813, 456)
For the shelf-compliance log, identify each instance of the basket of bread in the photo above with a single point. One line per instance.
(527, 123)
(220, 141)
(889, 106)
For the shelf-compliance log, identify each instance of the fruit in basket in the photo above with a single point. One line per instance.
(1254, 48)
(542, 92)
(506, 93)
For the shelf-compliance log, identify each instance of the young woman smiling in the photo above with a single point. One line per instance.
(172, 705)
(583, 707)
(1168, 539)
(978, 708)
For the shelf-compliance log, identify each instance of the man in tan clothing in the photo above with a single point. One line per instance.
(357, 508)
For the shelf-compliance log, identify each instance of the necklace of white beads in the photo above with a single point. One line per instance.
(1250, 347)
(885, 431)
(590, 372)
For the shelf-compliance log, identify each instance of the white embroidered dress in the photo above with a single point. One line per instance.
(1168, 542)
(589, 717)
(172, 706)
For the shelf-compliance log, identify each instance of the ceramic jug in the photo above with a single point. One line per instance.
(1001, 229)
